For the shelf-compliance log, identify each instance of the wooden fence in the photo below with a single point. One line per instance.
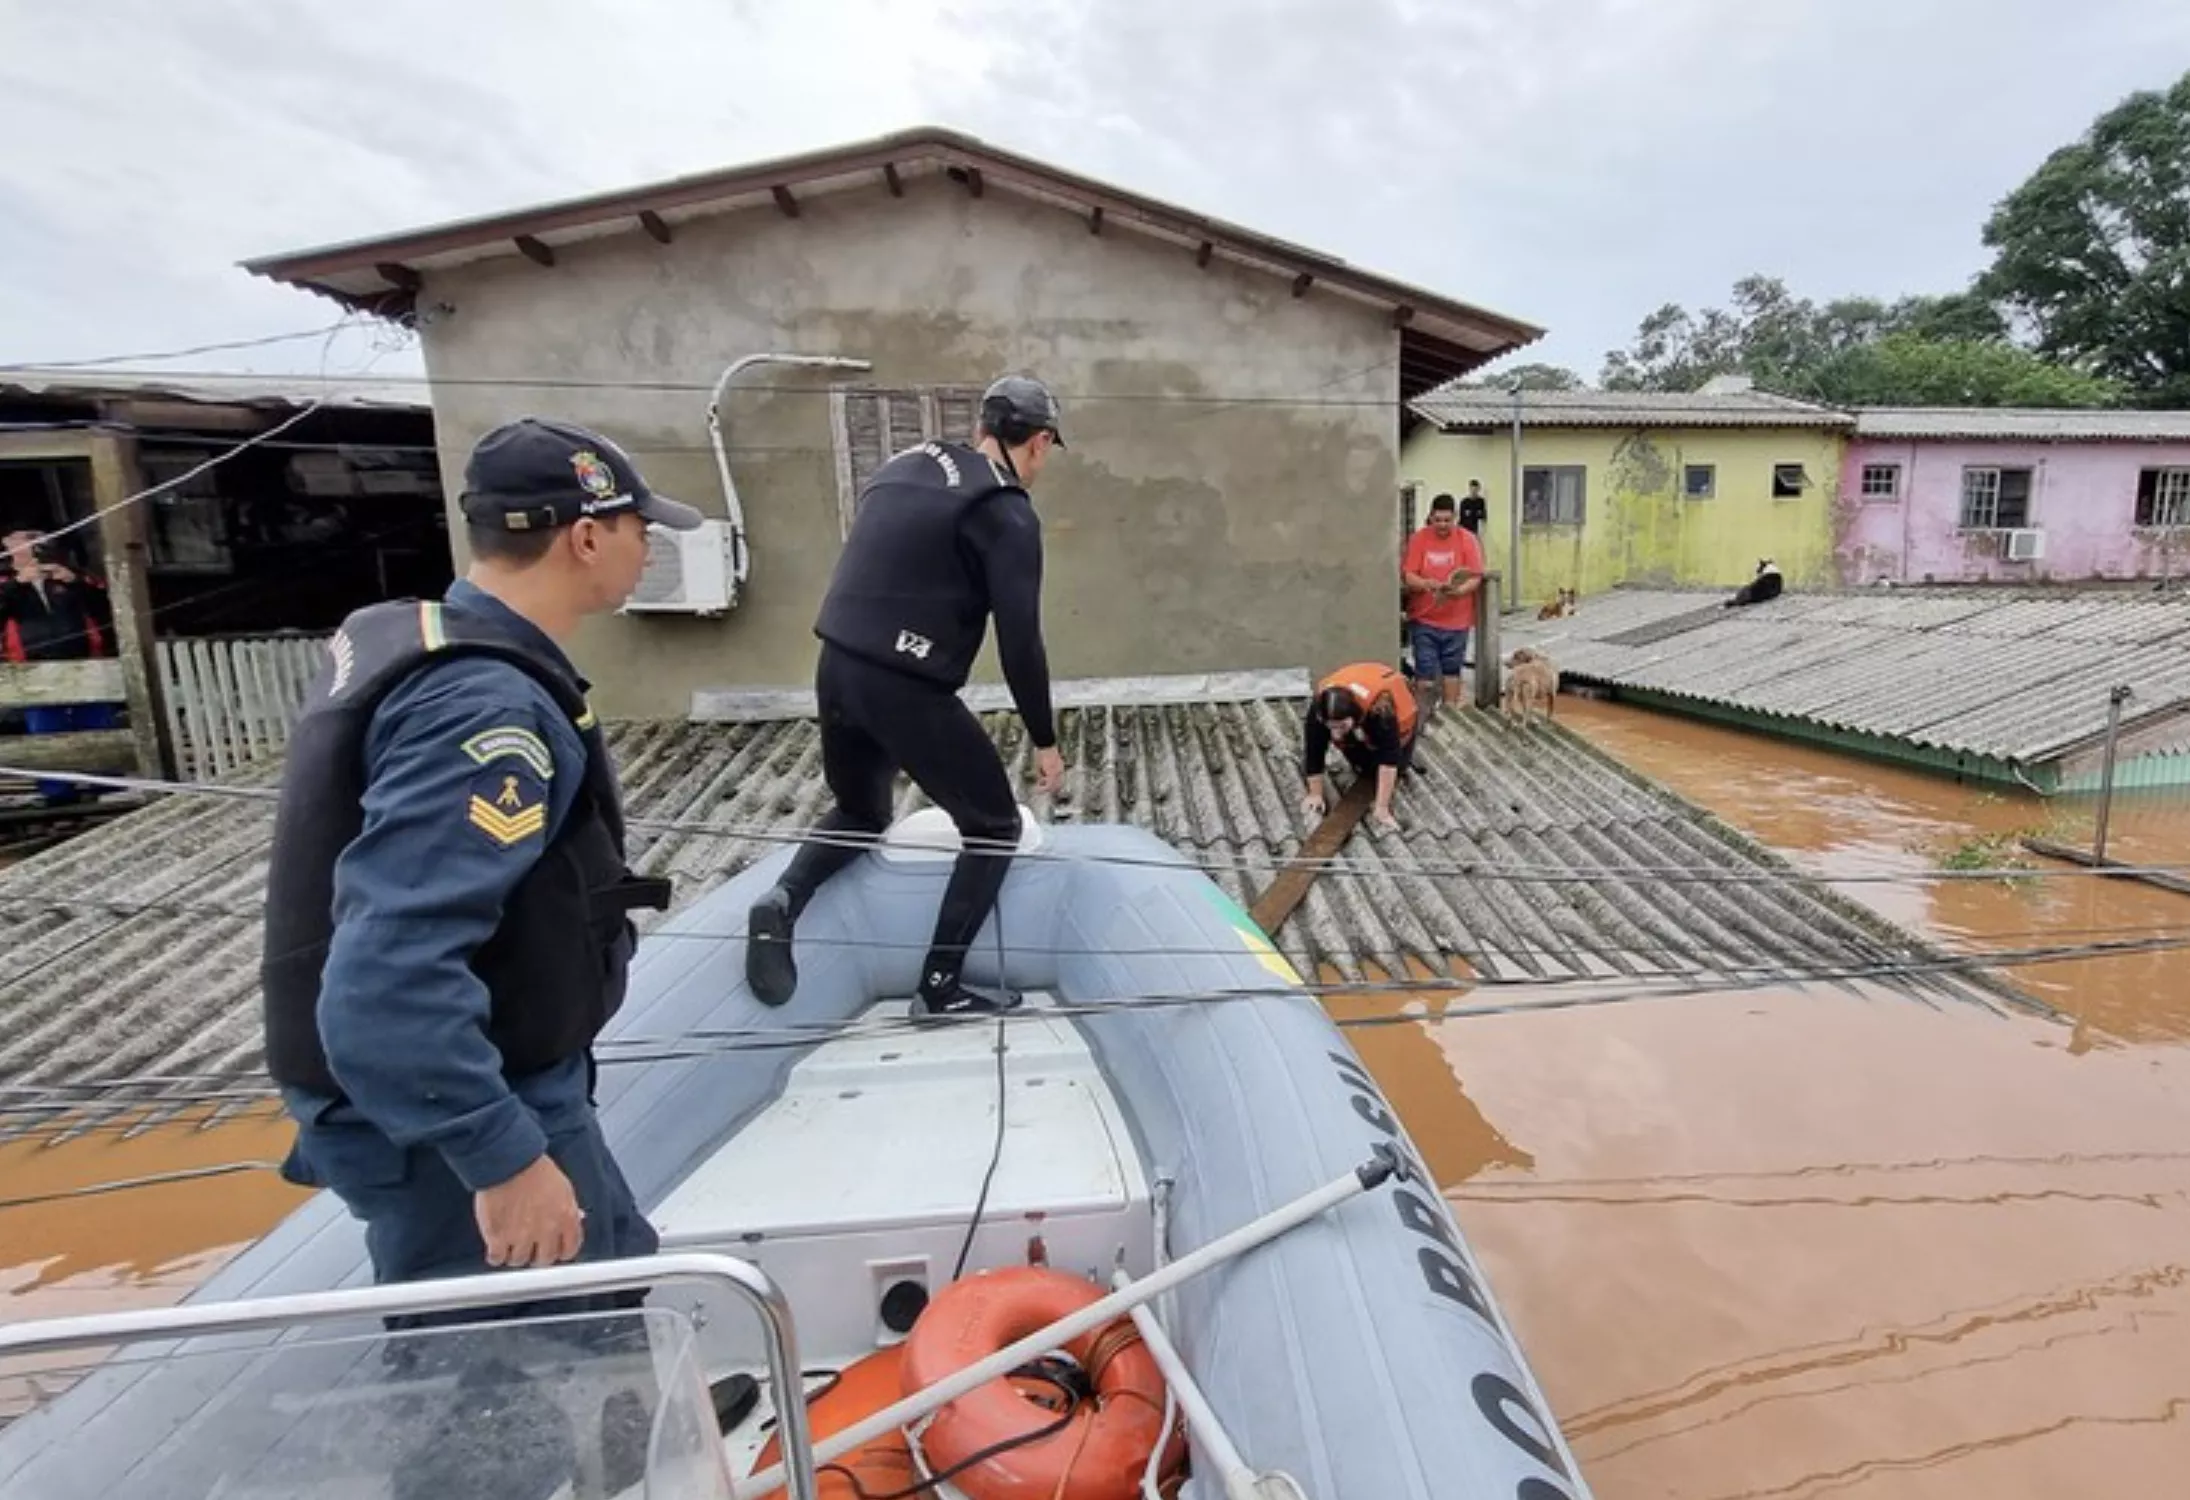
(232, 700)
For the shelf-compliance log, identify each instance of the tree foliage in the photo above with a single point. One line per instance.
(1531, 377)
(1854, 351)
(2093, 251)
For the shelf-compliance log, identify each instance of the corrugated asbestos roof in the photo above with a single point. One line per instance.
(1458, 408)
(2018, 676)
(2023, 424)
(86, 992)
(218, 388)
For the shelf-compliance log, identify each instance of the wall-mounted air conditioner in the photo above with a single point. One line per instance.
(2026, 546)
(687, 572)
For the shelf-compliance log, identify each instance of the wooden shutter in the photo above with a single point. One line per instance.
(957, 408)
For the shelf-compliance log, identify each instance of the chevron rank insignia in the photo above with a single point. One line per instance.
(508, 803)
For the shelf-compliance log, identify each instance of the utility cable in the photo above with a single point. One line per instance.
(1341, 866)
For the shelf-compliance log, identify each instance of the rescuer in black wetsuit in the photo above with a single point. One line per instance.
(945, 535)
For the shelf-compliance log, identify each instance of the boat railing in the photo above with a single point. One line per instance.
(459, 1294)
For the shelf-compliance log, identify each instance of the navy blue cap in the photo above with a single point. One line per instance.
(1016, 407)
(533, 475)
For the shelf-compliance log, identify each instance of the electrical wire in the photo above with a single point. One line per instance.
(1031, 1371)
(996, 1157)
(100, 513)
(130, 1184)
(63, 906)
(1333, 865)
(195, 349)
(701, 1044)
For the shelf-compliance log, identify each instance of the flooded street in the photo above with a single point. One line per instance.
(1765, 1246)
(1775, 1245)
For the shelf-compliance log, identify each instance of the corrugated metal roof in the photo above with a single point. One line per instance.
(2022, 424)
(1457, 408)
(218, 388)
(92, 992)
(2015, 675)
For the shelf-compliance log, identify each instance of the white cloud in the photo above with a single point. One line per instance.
(1574, 164)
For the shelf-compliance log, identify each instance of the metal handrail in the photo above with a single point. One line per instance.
(461, 1293)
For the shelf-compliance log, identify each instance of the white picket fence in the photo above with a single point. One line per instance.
(230, 701)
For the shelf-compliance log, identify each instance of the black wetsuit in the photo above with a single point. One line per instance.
(943, 539)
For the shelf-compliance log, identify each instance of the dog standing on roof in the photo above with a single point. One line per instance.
(1532, 683)
(1766, 585)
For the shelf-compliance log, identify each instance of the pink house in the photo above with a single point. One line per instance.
(1954, 495)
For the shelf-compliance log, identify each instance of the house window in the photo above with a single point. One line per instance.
(1882, 482)
(873, 426)
(1553, 496)
(1410, 499)
(188, 529)
(1995, 499)
(1789, 481)
(2163, 497)
(1700, 481)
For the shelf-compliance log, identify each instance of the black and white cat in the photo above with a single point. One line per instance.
(1766, 585)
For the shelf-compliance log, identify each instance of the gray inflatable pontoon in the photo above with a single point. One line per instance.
(1361, 1354)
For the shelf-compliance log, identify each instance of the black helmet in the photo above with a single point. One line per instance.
(1017, 407)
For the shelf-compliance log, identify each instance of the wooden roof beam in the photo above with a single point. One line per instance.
(897, 183)
(1202, 256)
(1301, 283)
(1095, 219)
(785, 201)
(656, 226)
(536, 250)
(398, 275)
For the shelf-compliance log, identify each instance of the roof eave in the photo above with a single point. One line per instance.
(312, 268)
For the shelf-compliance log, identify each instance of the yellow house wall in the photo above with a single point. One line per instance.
(1636, 526)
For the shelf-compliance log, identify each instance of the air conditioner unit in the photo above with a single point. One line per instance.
(2026, 546)
(687, 572)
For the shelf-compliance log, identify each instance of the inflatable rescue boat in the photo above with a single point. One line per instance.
(1154, 1233)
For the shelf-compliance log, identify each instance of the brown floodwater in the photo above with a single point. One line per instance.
(1781, 1245)
(1765, 1246)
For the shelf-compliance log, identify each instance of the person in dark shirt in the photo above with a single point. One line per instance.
(51, 611)
(1369, 712)
(945, 536)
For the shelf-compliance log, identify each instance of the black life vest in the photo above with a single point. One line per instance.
(906, 593)
(555, 967)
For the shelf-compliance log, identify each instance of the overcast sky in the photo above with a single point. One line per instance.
(1574, 163)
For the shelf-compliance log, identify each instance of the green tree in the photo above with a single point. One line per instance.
(2094, 250)
(1908, 369)
(1532, 377)
(1854, 351)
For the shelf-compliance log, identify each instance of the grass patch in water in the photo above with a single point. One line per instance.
(1990, 851)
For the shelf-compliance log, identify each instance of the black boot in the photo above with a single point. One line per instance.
(770, 972)
(952, 996)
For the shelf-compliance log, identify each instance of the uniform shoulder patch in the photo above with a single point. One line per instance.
(508, 804)
(506, 741)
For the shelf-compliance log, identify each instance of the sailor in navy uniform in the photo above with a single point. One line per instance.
(448, 921)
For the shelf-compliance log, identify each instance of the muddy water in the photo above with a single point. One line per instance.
(1769, 1246)
(61, 1253)
(1777, 1246)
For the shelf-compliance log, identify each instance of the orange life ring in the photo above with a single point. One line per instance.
(1100, 1454)
(882, 1467)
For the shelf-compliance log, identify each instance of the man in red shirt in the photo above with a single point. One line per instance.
(1440, 573)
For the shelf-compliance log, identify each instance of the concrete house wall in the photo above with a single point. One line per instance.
(1224, 502)
(2083, 497)
(1638, 528)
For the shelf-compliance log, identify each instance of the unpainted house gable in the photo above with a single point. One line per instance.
(1224, 502)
